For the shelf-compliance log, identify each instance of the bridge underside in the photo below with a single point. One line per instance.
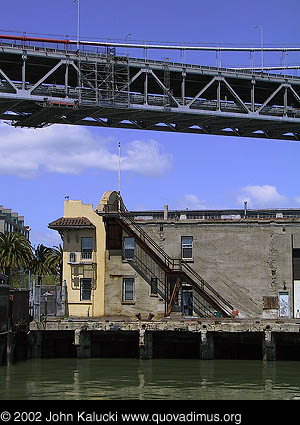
(40, 87)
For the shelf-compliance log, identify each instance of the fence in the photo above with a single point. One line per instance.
(47, 300)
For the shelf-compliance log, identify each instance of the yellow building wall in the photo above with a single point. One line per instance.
(72, 243)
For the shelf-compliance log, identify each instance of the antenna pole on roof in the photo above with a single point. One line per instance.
(119, 169)
(119, 176)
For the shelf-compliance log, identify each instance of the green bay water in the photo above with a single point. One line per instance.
(117, 379)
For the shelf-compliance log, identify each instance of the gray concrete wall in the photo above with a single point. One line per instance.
(144, 302)
(244, 261)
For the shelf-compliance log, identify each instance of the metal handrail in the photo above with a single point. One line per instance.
(173, 264)
(205, 283)
(124, 213)
(146, 269)
(201, 308)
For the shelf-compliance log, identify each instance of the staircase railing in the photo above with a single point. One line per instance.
(202, 308)
(189, 271)
(147, 274)
(171, 263)
(201, 286)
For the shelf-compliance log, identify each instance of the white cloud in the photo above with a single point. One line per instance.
(71, 150)
(47, 237)
(265, 196)
(192, 202)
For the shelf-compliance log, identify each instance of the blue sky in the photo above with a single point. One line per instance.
(181, 170)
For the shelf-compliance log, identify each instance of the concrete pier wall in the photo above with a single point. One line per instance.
(208, 340)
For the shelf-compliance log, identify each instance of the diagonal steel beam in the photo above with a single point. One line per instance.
(163, 87)
(8, 80)
(141, 71)
(234, 94)
(294, 93)
(8, 106)
(270, 97)
(201, 91)
(44, 78)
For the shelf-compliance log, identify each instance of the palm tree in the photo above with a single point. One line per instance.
(55, 261)
(15, 252)
(39, 264)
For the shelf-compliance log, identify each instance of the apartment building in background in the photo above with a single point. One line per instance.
(12, 222)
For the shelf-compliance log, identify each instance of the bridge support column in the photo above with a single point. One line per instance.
(269, 345)
(145, 344)
(207, 351)
(82, 341)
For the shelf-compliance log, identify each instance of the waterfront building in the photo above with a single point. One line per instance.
(204, 263)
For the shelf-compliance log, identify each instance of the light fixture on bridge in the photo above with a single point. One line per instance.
(262, 43)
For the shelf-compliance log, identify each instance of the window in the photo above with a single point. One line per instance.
(187, 247)
(296, 264)
(85, 289)
(86, 248)
(128, 289)
(72, 257)
(153, 285)
(128, 248)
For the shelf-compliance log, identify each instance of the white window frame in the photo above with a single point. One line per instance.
(125, 281)
(86, 253)
(125, 257)
(187, 245)
(72, 257)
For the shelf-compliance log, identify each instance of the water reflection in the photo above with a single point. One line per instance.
(144, 380)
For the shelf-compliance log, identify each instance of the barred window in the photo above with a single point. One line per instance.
(128, 289)
(85, 289)
(153, 285)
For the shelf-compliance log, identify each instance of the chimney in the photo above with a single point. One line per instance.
(166, 212)
(245, 209)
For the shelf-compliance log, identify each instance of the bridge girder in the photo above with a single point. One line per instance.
(44, 87)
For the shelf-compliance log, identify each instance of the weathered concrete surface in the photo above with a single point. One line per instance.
(192, 325)
(269, 345)
(82, 341)
(145, 344)
(244, 260)
(265, 338)
(143, 302)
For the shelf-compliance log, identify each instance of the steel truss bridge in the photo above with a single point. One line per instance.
(40, 86)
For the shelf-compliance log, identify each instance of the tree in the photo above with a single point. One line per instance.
(55, 261)
(15, 252)
(39, 265)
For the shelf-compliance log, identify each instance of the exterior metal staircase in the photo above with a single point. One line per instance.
(151, 261)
